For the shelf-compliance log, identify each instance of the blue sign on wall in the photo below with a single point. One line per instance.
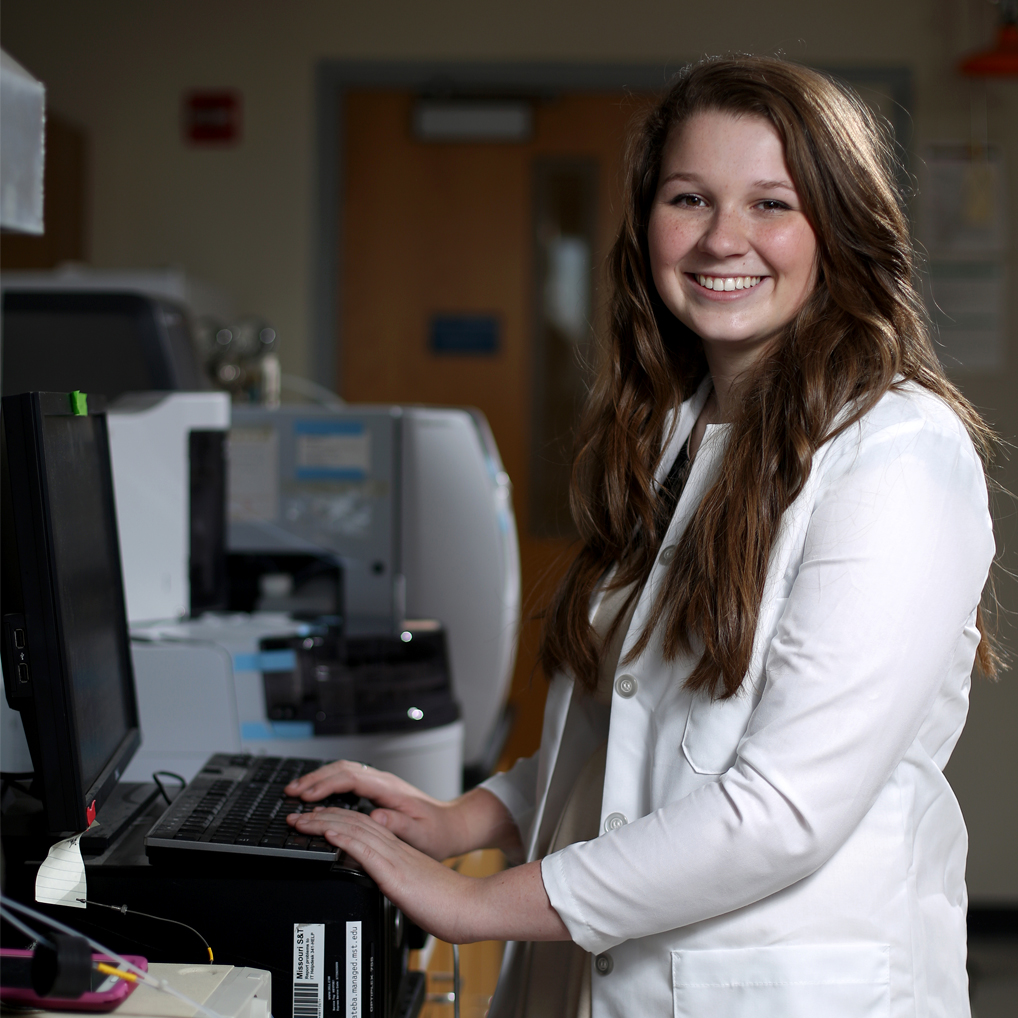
(472, 335)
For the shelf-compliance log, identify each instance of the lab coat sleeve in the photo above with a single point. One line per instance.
(897, 548)
(517, 791)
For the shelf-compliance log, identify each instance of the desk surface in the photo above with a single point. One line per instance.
(226, 989)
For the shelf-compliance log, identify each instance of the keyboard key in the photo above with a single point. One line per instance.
(320, 845)
(273, 841)
(297, 841)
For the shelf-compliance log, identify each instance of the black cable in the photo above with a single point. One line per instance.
(124, 910)
(159, 784)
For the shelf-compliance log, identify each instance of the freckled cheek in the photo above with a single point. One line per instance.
(793, 252)
(667, 242)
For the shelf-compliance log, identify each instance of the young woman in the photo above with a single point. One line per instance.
(760, 656)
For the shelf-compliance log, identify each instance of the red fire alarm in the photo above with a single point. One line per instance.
(212, 118)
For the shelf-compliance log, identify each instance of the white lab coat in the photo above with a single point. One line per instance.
(794, 851)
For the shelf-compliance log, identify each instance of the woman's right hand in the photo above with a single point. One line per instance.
(438, 829)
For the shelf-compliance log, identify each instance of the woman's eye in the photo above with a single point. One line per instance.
(772, 205)
(689, 201)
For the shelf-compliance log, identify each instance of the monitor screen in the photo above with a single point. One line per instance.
(86, 561)
(67, 664)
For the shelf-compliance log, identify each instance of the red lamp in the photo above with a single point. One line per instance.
(1002, 60)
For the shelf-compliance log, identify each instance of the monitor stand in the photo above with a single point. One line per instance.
(127, 802)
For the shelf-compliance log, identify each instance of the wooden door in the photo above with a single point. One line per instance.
(436, 229)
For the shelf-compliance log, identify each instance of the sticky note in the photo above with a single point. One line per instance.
(79, 403)
(61, 877)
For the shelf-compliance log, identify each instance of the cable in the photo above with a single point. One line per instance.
(143, 976)
(27, 930)
(456, 980)
(159, 784)
(109, 970)
(124, 910)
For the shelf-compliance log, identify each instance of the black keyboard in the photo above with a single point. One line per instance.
(237, 804)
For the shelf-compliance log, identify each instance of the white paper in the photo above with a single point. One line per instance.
(967, 301)
(61, 877)
(964, 201)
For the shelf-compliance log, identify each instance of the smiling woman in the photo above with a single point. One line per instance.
(759, 659)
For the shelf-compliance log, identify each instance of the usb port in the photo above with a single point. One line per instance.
(19, 639)
(23, 672)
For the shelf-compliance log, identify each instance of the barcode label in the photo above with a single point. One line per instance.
(308, 969)
(353, 970)
(307, 1000)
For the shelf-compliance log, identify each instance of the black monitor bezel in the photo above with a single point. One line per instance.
(48, 706)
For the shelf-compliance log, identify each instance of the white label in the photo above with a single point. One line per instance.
(253, 455)
(335, 452)
(353, 970)
(308, 970)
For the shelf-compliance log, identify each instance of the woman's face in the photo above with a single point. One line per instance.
(732, 254)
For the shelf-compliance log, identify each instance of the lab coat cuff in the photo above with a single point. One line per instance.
(520, 805)
(554, 872)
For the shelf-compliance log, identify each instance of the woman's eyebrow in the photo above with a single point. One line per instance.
(695, 178)
(680, 175)
(767, 185)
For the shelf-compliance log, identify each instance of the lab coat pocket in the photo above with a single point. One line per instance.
(713, 731)
(804, 981)
(714, 728)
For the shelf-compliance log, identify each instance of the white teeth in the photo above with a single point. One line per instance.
(728, 282)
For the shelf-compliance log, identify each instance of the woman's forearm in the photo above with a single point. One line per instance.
(479, 819)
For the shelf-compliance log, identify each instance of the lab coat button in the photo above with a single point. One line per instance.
(604, 964)
(614, 821)
(667, 554)
(625, 686)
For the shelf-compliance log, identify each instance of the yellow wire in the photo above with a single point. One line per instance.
(210, 954)
(109, 970)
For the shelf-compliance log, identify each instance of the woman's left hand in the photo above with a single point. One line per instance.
(511, 905)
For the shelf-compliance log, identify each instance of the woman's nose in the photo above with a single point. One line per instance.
(724, 235)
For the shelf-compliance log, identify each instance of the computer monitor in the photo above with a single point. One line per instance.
(97, 342)
(66, 655)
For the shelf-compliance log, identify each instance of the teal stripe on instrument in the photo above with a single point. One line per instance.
(266, 661)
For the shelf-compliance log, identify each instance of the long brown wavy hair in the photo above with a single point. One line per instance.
(862, 331)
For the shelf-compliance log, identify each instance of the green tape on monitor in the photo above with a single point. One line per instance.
(79, 403)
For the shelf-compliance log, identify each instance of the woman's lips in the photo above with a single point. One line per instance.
(727, 283)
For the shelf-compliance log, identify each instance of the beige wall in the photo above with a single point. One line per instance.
(243, 218)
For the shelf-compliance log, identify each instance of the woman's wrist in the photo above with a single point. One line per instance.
(479, 819)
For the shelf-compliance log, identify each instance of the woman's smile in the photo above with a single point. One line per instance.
(726, 283)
